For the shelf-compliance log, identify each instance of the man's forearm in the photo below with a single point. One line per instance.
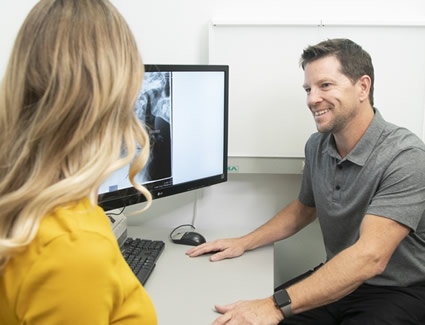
(334, 280)
(284, 224)
(379, 237)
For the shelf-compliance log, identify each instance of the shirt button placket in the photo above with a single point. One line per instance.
(338, 183)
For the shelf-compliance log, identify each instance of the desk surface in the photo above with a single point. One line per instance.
(184, 290)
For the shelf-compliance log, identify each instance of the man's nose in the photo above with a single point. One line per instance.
(314, 97)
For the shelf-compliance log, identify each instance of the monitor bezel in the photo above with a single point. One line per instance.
(130, 196)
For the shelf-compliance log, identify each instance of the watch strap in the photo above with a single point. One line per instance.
(283, 302)
(287, 311)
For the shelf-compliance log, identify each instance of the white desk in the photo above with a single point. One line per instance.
(184, 290)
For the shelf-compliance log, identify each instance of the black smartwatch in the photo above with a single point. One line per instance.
(282, 301)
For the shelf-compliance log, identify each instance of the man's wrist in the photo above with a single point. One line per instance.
(283, 302)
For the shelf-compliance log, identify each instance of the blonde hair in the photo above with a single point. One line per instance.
(66, 113)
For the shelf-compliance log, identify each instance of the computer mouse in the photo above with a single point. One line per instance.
(189, 238)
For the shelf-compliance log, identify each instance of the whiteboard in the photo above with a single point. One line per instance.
(268, 115)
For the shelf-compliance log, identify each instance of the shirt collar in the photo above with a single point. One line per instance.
(365, 146)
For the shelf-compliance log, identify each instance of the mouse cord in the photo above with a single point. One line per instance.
(178, 227)
(195, 205)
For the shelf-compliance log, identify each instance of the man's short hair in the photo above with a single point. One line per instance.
(355, 62)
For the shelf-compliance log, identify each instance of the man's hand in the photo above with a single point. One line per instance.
(252, 312)
(223, 248)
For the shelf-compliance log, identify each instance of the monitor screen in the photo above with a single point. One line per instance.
(185, 111)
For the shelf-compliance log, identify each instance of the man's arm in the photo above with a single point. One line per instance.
(379, 237)
(369, 256)
(287, 222)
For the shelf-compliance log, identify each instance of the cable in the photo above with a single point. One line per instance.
(195, 205)
(115, 214)
(185, 225)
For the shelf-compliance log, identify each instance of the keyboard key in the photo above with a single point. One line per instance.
(141, 255)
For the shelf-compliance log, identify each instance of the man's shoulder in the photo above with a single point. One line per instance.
(398, 138)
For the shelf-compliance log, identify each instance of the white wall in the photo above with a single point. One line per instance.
(176, 31)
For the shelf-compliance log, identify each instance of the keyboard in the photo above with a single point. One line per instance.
(141, 255)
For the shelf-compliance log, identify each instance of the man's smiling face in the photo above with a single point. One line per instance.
(332, 97)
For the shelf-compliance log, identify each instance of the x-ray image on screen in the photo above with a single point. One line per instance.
(184, 109)
(153, 108)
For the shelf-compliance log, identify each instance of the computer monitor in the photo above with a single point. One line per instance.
(185, 110)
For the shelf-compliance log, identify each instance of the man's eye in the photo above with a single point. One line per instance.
(307, 90)
(325, 85)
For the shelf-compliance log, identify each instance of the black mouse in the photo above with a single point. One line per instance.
(189, 238)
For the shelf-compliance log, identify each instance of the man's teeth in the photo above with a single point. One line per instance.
(321, 112)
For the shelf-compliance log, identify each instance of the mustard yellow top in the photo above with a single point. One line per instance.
(73, 273)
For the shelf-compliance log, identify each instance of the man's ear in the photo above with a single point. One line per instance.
(364, 84)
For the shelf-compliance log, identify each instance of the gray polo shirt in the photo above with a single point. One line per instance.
(383, 175)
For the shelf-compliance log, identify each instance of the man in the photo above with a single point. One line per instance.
(364, 179)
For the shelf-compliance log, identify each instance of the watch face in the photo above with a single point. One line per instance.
(281, 298)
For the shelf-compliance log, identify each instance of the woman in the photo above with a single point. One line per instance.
(66, 113)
